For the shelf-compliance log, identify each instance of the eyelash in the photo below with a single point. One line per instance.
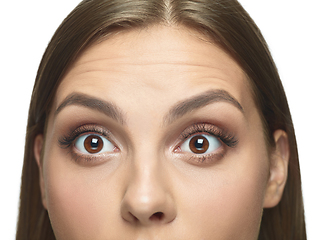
(67, 141)
(226, 138)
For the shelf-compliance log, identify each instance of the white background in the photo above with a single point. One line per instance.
(291, 28)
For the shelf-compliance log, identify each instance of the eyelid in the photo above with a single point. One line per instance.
(68, 139)
(226, 138)
(68, 142)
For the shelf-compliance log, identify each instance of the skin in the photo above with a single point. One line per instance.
(147, 186)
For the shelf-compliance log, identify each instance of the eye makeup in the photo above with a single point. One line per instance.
(227, 139)
(224, 138)
(68, 141)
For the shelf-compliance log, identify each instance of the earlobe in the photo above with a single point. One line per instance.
(279, 160)
(38, 147)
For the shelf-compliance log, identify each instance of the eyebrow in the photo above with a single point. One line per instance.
(177, 111)
(200, 101)
(87, 101)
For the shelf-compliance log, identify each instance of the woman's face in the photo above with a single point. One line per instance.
(154, 134)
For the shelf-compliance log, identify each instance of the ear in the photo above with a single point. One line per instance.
(278, 169)
(38, 146)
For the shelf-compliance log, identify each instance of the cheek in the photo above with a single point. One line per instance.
(229, 203)
(78, 204)
(67, 200)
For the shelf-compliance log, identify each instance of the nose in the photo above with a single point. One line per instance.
(147, 199)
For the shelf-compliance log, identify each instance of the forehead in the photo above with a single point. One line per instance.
(156, 60)
(157, 45)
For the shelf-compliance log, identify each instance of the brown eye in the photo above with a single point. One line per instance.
(93, 144)
(199, 144)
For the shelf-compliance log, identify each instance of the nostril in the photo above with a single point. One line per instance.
(158, 216)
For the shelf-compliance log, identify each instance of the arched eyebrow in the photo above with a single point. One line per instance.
(105, 107)
(199, 101)
(177, 111)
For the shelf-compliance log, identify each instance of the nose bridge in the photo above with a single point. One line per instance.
(146, 189)
(147, 199)
(145, 162)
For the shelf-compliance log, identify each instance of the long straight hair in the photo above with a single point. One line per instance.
(225, 23)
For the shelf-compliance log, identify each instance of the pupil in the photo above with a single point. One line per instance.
(199, 143)
(94, 143)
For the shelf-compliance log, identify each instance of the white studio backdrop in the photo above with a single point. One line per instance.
(291, 28)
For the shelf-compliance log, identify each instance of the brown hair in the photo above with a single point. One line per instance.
(226, 23)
